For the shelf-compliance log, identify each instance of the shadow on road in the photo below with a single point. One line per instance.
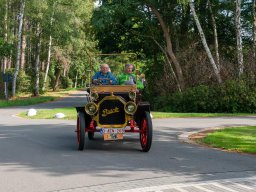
(52, 149)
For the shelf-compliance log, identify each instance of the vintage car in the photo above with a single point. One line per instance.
(112, 111)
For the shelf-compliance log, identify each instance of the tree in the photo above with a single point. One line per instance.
(49, 49)
(17, 66)
(239, 39)
(216, 42)
(254, 31)
(206, 47)
(169, 48)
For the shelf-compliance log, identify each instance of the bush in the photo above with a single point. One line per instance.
(22, 83)
(66, 82)
(229, 97)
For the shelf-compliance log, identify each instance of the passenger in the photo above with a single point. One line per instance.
(104, 76)
(143, 79)
(129, 78)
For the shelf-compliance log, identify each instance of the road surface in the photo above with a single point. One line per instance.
(42, 156)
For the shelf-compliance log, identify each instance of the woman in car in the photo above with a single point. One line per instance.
(129, 78)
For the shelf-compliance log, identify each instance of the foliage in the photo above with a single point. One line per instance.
(66, 82)
(23, 81)
(6, 48)
(65, 22)
(230, 97)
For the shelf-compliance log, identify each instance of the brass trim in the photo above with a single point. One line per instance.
(87, 110)
(96, 117)
(130, 102)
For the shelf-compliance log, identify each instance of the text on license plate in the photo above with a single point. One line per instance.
(112, 134)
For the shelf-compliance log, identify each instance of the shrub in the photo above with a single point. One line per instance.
(22, 83)
(66, 82)
(229, 97)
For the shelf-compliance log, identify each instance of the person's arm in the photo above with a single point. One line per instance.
(139, 83)
(95, 77)
(112, 78)
(121, 79)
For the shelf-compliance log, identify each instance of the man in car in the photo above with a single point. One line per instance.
(104, 76)
(129, 78)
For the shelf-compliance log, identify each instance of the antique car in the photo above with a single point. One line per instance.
(112, 111)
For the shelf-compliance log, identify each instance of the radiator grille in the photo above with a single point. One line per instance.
(111, 112)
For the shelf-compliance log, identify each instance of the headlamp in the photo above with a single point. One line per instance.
(130, 108)
(94, 96)
(91, 108)
(132, 95)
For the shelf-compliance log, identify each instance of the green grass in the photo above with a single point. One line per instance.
(25, 99)
(70, 113)
(242, 139)
(174, 115)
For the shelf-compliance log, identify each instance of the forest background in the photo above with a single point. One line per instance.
(197, 55)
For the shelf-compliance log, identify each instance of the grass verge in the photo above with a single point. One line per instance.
(239, 139)
(24, 100)
(70, 113)
(179, 115)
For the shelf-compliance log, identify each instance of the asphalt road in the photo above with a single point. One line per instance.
(42, 156)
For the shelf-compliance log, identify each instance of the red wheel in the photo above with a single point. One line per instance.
(80, 130)
(146, 132)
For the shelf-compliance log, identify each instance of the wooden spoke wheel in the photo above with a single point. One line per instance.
(80, 130)
(146, 132)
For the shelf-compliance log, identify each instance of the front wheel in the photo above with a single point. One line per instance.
(80, 130)
(146, 132)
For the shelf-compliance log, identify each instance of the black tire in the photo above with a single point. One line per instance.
(80, 129)
(91, 135)
(146, 133)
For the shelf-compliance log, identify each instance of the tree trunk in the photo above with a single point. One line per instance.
(37, 64)
(203, 39)
(5, 33)
(169, 62)
(169, 49)
(254, 34)
(76, 78)
(49, 52)
(22, 3)
(239, 39)
(57, 80)
(48, 62)
(23, 47)
(216, 43)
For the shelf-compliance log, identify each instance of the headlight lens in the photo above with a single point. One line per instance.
(94, 96)
(132, 95)
(91, 108)
(130, 108)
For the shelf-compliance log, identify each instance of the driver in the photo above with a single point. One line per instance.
(104, 76)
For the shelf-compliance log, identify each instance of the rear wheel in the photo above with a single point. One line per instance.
(80, 130)
(146, 132)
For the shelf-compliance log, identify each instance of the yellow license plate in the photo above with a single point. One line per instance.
(113, 136)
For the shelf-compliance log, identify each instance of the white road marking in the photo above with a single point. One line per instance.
(222, 184)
